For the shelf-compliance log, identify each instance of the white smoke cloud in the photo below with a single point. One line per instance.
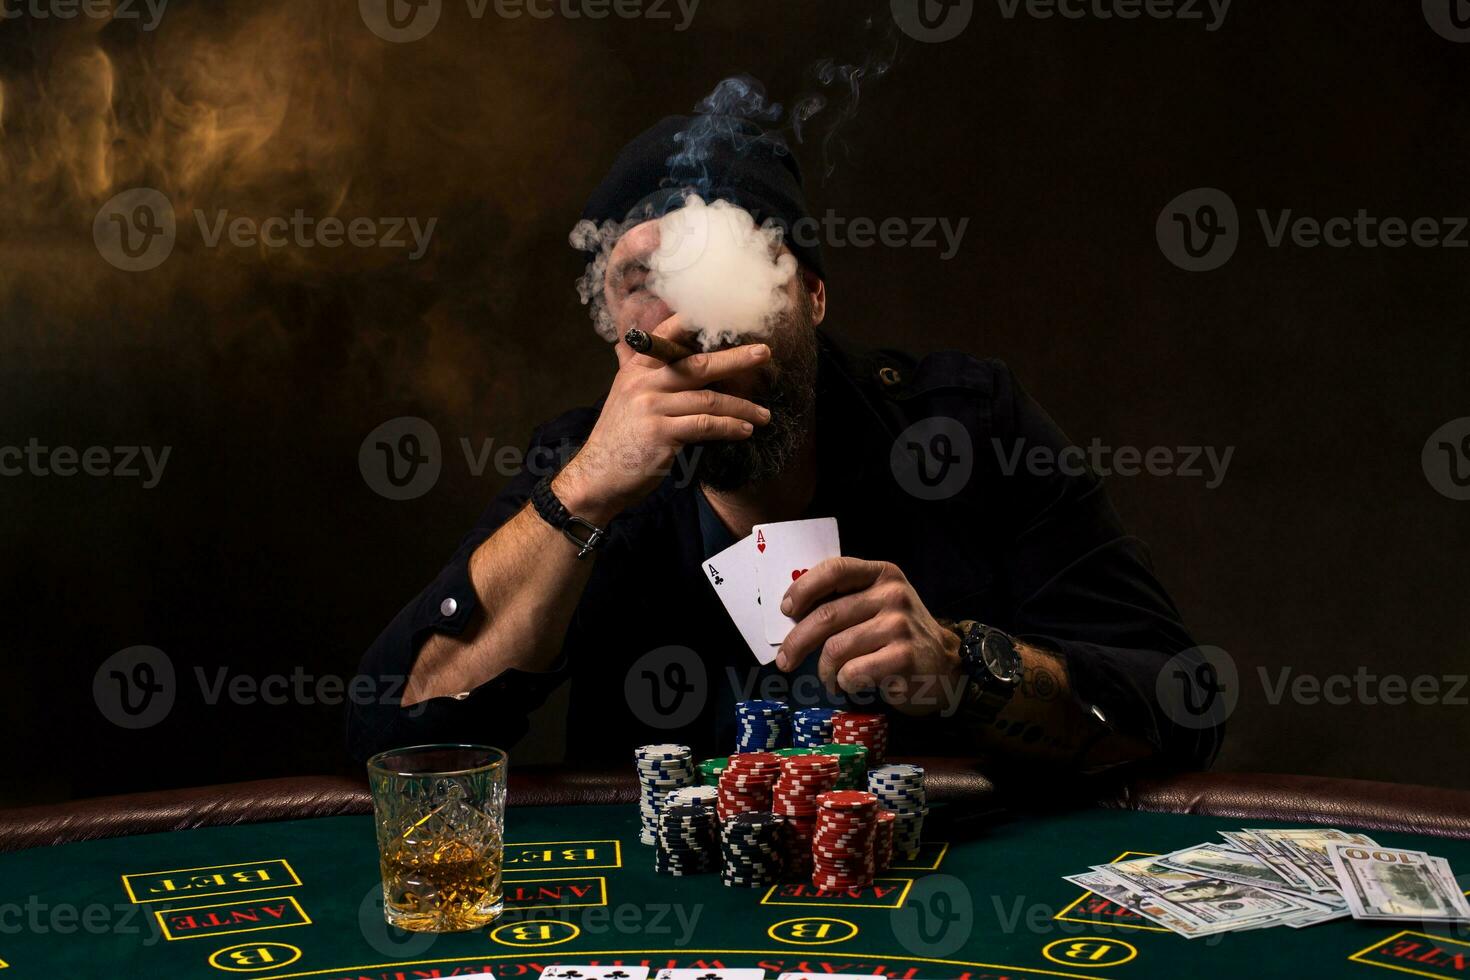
(714, 265)
(723, 273)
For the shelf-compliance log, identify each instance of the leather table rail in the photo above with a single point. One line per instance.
(1296, 799)
(1304, 799)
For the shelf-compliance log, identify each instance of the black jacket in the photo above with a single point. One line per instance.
(1037, 553)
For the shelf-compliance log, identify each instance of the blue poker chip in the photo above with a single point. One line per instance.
(759, 705)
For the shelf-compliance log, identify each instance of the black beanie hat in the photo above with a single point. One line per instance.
(717, 157)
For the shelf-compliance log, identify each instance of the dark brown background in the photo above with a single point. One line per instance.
(264, 550)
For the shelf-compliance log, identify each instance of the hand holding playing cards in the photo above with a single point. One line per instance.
(652, 411)
(871, 630)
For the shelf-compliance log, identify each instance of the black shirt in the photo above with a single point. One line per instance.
(652, 655)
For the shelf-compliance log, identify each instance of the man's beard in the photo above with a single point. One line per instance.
(791, 395)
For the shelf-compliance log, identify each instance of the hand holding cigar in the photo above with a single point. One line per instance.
(653, 345)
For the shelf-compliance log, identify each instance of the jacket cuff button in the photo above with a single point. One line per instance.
(448, 607)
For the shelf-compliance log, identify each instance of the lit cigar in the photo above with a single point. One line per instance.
(653, 345)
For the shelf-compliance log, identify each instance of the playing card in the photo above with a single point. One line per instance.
(571, 972)
(732, 575)
(783, 553)
(744, 974)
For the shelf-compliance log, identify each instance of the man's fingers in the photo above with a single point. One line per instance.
(825, 621)
(703, 370)
(850, 644)
(872, 670)
(835, 575)
(703, 401)
(704, 428)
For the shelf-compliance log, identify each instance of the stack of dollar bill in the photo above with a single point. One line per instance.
(1296, 878)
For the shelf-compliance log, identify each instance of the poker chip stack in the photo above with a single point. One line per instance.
(710, 769)
(794, 799)
(852, 763)
(900, 789)
(811, 727)
(661, 768)
(751, 848)
(764, 725)
(791, 750)
(883, 839)
(842, 850)
(687, 842)
(747, 784)
(869, 731)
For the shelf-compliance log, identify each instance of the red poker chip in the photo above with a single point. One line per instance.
(828, 832)
(858, 835)
(839, 884)
(846, 841)
(847, 799)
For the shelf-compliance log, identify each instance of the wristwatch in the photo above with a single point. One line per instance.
(992, 664)
(555, 513)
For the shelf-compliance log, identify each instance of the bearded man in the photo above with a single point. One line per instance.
(1009, 618)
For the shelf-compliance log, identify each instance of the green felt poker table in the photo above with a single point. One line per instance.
(280, 879)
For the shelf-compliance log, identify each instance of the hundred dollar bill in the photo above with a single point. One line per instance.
(1131, 899)
(1216, 861)
(1298, 855)
(1385, 883)
(1248, 869)
(1207, 905)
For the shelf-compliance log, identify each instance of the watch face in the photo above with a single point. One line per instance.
(1000, 657)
